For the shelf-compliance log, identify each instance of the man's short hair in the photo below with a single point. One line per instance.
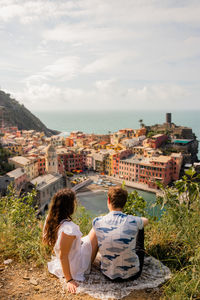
(118, 196)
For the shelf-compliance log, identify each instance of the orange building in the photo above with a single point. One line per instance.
(141, 131)
(69, 142)
(41, 165)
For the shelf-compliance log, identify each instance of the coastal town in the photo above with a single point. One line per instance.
(139, 157)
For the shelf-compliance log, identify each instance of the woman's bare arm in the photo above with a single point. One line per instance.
(65, 246)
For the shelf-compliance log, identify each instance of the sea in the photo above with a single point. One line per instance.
(103, 122)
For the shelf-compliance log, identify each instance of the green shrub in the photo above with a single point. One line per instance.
(175, 238)
(135, 205)
(20, 230)
(83, 219)
(4, 165)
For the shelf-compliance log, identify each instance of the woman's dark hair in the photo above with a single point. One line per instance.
(62, 207)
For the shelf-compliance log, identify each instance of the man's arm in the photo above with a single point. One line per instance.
(145, 221)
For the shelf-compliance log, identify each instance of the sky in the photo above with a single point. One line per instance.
(58, 55)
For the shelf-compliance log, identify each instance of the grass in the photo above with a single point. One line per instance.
(21, 230)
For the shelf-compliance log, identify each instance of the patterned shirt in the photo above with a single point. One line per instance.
(116, 233)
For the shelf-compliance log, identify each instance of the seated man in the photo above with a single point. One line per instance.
(120, 239)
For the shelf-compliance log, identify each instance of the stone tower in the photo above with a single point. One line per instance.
(51, 160)
(169, 119)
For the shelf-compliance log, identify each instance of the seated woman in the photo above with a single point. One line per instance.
(73, 253)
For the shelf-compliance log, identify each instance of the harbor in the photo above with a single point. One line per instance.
(93, 196)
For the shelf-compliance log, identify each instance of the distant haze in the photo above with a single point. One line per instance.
(101, 54)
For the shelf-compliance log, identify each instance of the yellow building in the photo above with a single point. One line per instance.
(14, 148)
(28, 164)
(141, 131)
(109, 162)
(139, 150)
(108, 165)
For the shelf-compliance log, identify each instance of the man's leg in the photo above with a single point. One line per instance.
(140, 248)
(140, 252)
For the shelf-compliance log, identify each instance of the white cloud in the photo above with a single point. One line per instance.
(28, 11)
(105, 94)
(85, 32)
(121, 11)
(62, 69)
(101, 54)
(10, 11)
(109, 62)
(159, 94)
(106, 85)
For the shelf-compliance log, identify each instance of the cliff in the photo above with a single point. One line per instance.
(16, 114)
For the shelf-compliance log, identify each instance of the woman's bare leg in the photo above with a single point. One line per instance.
(94, 242)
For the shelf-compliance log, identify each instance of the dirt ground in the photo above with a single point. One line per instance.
(28, 282)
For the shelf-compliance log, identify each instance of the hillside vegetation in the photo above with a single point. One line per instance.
(18, 115)
(4, 165)
(174, 239)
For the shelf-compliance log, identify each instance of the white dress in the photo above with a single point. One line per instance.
(79, 255)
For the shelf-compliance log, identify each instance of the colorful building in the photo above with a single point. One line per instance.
(28, 164)
(41, 165)
(149, 170)
(20, 177)
(71, 160)
(157, 140)
(14, 148)
(69, 142)
(116, 159)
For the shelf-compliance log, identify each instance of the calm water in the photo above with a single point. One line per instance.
(96, 202)
(105, 121)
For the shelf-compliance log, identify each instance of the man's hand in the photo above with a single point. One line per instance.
(72, 286)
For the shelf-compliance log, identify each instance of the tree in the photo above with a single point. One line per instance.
(141, 122)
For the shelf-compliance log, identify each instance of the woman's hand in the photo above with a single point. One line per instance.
(72, 286)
